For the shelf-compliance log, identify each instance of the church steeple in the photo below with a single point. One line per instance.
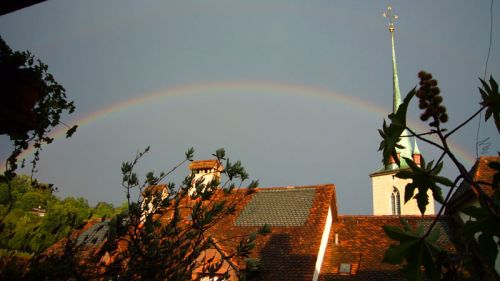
(386, 187)
(396, 95)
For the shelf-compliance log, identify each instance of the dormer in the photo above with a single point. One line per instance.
(205, 171)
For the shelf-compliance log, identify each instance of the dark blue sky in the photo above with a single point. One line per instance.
(330, 52)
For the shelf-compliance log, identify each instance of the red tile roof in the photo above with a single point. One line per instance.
(205, 164)
(362, 244)
(481, 173)
(154, 190)
(290, 251)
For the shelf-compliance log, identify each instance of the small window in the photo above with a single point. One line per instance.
(345, 268)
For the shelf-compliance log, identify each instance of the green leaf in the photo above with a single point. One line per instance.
(414, 251)
(190, 154)
(483, 226)
(71, 131)
(397, 253)
(220, 154)
(423, 178)
(491, 99)
(433, 235)
(265, 229)
(391, 134)
(396, 233)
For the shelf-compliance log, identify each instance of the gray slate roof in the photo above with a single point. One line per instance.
(93, 236)
(278, 207)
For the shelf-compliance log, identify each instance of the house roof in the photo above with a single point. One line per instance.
(278, 207)
(155, 190)
(205, 164)
(481, 173)
(362, 244)
(297, 216)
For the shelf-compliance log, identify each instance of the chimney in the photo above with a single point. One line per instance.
(205, 171)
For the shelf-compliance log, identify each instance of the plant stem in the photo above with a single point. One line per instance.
(445, 202)
(465, 122)
(424, 139)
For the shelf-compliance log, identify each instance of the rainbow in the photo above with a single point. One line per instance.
(235, 86)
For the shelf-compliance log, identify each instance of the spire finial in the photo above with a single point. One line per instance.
(392, 18)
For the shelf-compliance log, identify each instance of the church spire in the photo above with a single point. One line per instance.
(396, 100)
(386, 189)
(396, 95)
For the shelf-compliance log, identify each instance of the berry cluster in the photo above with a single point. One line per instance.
(430, 100)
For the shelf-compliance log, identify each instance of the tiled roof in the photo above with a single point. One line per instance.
(155, 190)
(278, 207)
(94, 235)
(362, 244)
(205, 164)
(480, 172)
(290, 251)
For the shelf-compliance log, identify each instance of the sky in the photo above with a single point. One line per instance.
(296, 90)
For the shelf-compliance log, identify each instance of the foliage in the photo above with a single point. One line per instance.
(491, 100)
(424, 250)
(391, 134)
(26, 230)
(48, 109)
(416, 248)
(51, 103)
(423, 178)
(168, 236)
(485, 224)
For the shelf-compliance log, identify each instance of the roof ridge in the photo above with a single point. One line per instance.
(293, 187)
(340, 216)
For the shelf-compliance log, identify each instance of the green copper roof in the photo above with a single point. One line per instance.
(396, 101)
(278, 207)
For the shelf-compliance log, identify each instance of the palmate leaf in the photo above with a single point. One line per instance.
(423, 178)
(392, 133)
(491, 99)
(484, 227)
(414, 250)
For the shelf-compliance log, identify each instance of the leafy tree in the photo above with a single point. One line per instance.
(32, 105)
(166, 234)
(417, 248)
(168, 239)
(24, 230)
(105, 210)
